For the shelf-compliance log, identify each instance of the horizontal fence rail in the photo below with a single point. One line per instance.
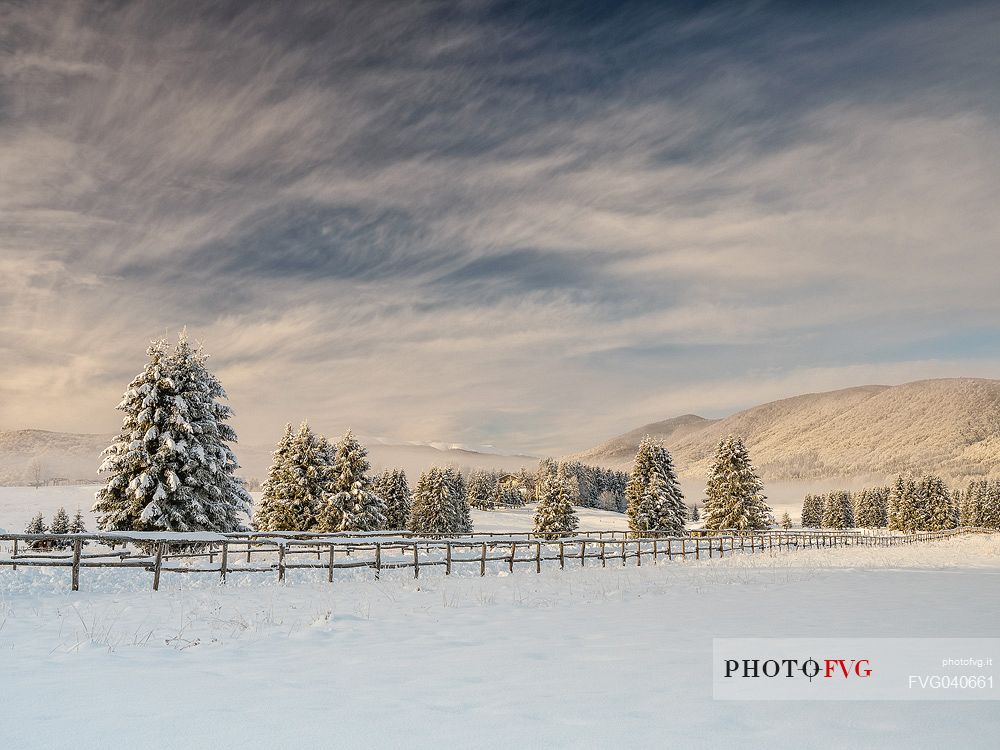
(280, 552)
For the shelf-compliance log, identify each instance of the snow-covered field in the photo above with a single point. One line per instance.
(616, 657)
(595, 657)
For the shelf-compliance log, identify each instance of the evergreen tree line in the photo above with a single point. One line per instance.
(597, 487)
(171, 468)
(909, 504)
(490, 490)
(313, 485)
(61, 524)
(979, 504)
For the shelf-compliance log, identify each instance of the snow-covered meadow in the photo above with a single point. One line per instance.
(576, 658)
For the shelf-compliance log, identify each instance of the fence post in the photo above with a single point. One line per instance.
(562, 555)
(604, 557)
(513, 548)
(583, 553)
(638, 552)
(281, 561)
(329, 563)
(76, 564)
(157, 565)
(482, 561)
(447, 563)
(378, 561)
(538, 557)
(224, 561)
(623, 552)
(654, 549)
(416, 560)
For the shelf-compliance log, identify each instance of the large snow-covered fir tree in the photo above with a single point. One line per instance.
(298, 483)
(786, 521)
(812, 511)
(171, 467)
(352, 505)
(838, 510)
(394, 489)
(734, 493)
(554, 514)
(655, 501)
(439, 504)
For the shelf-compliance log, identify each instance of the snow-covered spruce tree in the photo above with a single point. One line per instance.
(870, 508)
(786, 521)
(905, 508)
(554, 514)
(439, 505)
(430, 512)
(734, 496)
(171, 468)
(394, 489)
(938, 509)
(511, 495)
(354, 505)
(37, 526)
(60, 525)
(655, 502)
(812, 511)
(989, 505)
(838, 511)
(77, 526)
(460, 507)
(546, 473)
(693, 514)
(968, 511)
(298, 483)
(481, 492)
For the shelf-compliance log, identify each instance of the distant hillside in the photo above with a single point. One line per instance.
(49, 455)
(73, 458)
(947, 426)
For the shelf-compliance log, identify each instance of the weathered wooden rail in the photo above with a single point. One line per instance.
(270, 552)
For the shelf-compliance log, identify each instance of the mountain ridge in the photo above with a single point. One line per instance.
(949, 426)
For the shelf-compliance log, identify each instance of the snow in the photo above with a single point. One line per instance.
(586, 658)
(592, 657)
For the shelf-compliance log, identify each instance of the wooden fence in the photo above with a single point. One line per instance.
(280, 552)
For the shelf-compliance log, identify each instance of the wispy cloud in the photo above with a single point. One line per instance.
(469, 223)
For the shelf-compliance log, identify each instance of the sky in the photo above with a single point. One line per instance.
(529, 226)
